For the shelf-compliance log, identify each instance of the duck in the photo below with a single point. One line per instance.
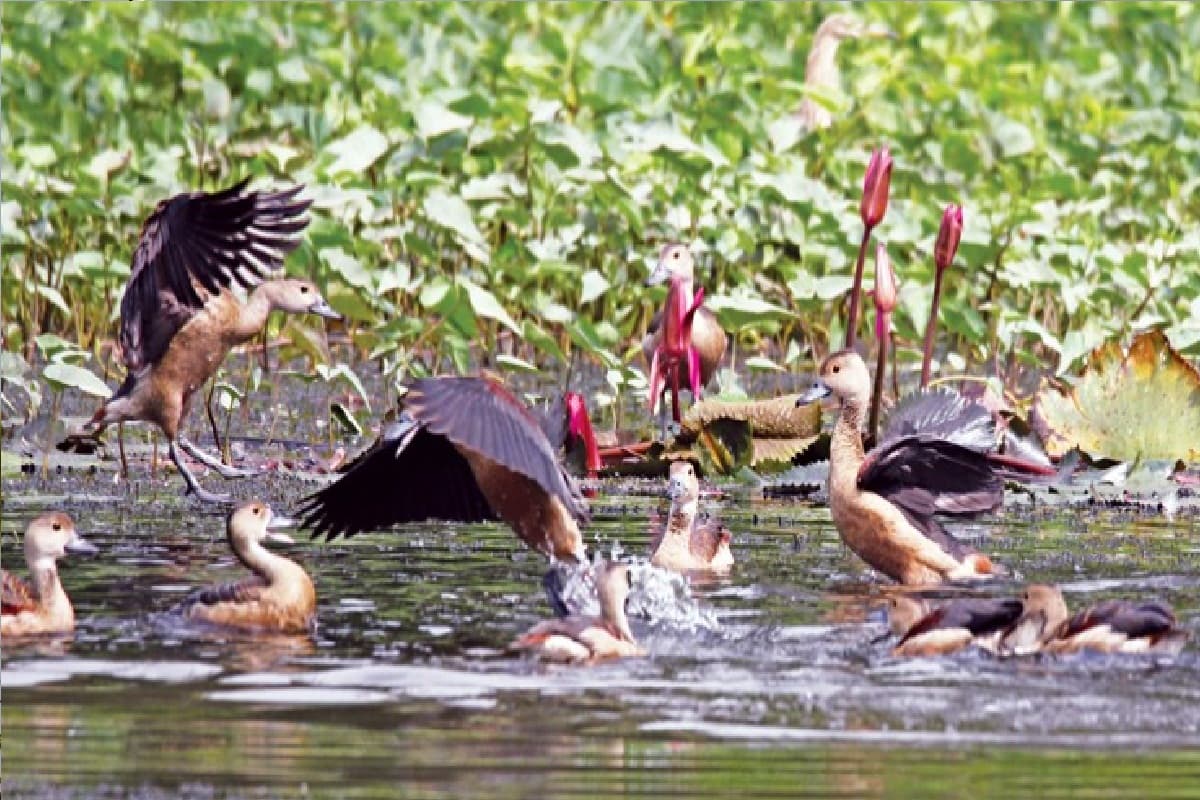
(180, 317)
(685, 543)
(926, 629)
(821, 71)
(460, 449)
(279, 596)
(43, 607)
(584, 639)
(685, 333)
(884, 502)
(1111, 626)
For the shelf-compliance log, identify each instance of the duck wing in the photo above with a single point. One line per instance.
(925, 475)
(247, 590)
(942, 414)
(1132, 619)
(15, 594)
(410, 475)
(201, 241)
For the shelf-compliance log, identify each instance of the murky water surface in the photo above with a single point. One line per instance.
(407, 688)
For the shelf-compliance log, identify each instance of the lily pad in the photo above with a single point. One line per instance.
(727, 436)
(1144, 404)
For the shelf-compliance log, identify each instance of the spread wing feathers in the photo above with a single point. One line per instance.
(246, 590)
(942, 414)
(1132, 619)
(926, 476)
(481, 415)
(552, 419)
(15, 594)
(410, 475)
(202, 241)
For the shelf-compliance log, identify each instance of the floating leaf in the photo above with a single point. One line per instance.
(1136, 406)
(62, 376)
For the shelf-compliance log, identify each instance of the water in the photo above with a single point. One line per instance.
(408, 689)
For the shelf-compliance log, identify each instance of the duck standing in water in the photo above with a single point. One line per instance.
(463, 450)
(686, 543)
(279, 596)
(1111, 626)
(579, 639)
(930, 630)
(42, 607)
(179, 317)
(883, 502)
(684, 334)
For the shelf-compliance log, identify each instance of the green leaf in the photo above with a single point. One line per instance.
(434, 119)
(357, 151)
(515, 364)
(594, 284)
(62, 376)
(485, 304)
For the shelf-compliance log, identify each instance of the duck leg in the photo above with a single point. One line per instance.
(214, 463)
(193, 485)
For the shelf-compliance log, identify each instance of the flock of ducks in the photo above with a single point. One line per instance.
(466, 449)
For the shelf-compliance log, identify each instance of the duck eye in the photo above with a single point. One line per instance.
(836, 369)
(57, 526)
(257, 510)
(675, 255)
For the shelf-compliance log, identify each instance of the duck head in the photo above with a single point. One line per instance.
(254, 523)
(298, 296)
(683, 487)
(675, 262)
(843, 375)
(53, 536)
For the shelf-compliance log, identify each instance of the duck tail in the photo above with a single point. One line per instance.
(980, 564)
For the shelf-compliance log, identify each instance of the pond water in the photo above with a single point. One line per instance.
(407, 688)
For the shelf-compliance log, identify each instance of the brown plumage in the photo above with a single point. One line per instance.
(926, 630)
(179, 317)
(279, 596)
(586, 639)
(1044, 612)
(1111, 626)
(884, 502)
(43, 606)
(465, 450)
(685, 543)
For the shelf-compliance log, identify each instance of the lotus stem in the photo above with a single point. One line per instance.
(930, 327)
(877, 391)
(856, 290)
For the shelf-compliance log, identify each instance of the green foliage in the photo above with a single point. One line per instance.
(491, 178)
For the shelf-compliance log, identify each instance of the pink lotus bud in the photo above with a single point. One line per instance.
(876, 186)
(885, 291)
(948, 237)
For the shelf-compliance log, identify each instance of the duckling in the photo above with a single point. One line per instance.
(686, 544)
(1044, 612)
(464, 450)
(883, 503)
(179, 318)
(43, 607)
(685, 332)
(579, 639)
(1112, 626)
(278, 597)
(948, 627)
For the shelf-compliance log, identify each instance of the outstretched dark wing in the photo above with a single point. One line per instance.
(481, 415)
(246, 590)
(552, 419)
(205, 240)
(410, 475)
(941, 414)
(1132, 619)
(15, 594)
(979, 616)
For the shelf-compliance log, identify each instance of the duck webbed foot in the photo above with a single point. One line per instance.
(214, 463)
(193, 485)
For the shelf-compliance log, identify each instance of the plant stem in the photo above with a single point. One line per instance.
(877, 391)
(930, 327)
(856, 290)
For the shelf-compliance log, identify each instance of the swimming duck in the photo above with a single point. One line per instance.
(179, 318)
(279, 596)
(586, 639)
(1112, 626)
(883, 502)
(686, 544)
(464, 450)
(684, 334)
(43, 607)
(1044, 612)
(927, 630)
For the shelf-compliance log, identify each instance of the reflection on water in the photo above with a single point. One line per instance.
(773, 687)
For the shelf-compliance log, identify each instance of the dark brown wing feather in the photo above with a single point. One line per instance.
(246, 590)
(211, 239)
(926, 476)
(410, 475)
(942, 414)
(1132, 619)
(980, 617)
(481, 415)
(15, 594)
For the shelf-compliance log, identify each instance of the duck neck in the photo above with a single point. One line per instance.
(846, 447)
(821, 68)
(682, 517)
(44, 573)
(261, 561)
(252, 316)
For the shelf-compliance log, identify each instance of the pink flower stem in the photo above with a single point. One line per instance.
(930, 328)
(856, 291)
(877, 391)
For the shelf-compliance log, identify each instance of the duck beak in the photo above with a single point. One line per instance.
(660, 274)
(79, 546)
(322, 309)
(879, 32)
(815, 392)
